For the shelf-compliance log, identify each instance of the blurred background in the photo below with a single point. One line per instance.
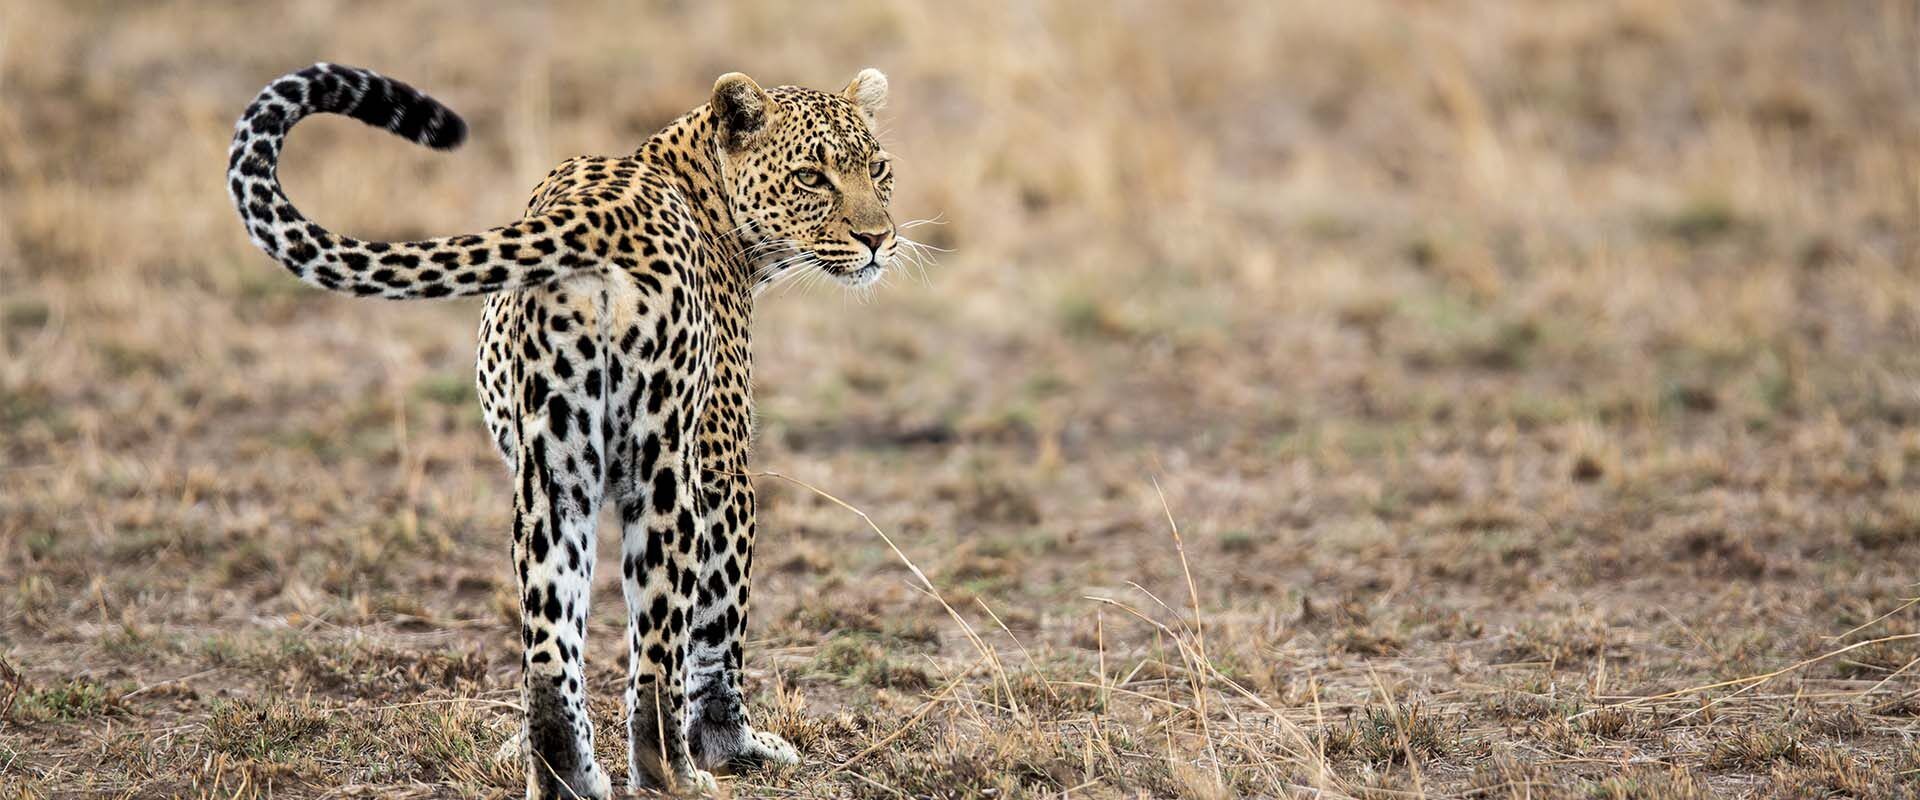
(1498, 360)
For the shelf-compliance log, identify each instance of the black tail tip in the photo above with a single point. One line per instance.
(447, 132)
(384, 102)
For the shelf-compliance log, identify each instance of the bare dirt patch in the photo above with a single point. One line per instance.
(1521, 381)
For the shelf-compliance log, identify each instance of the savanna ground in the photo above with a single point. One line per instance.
(1523, 379)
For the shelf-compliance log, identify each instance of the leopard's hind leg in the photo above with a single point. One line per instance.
(558, 484)
(658, 569)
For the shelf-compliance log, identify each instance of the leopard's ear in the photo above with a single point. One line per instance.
(741, 108)
(868, 91)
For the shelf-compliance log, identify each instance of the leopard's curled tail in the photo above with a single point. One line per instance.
(541, 248)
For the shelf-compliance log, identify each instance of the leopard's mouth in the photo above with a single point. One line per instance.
(790, 262)
(859, 274)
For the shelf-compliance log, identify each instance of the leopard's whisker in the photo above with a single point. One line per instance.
(767, 244)
(782, 261)
(792, 279)
(768, 250)
(918, 262)
(773, 269)
(773, 258)
(922, 256)
(924, 245)
(793, 268)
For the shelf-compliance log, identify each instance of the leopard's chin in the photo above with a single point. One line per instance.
(860, 277)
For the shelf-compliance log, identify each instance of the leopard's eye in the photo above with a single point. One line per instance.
(878, 169)
(810, 178)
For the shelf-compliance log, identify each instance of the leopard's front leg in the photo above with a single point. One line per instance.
(719, 730)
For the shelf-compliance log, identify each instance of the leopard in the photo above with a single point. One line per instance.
(614, 371)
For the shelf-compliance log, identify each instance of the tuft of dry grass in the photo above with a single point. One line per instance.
(1347, 400)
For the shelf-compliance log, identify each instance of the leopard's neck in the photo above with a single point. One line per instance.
(683, 151)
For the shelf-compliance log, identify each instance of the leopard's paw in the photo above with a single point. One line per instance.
(769, 748)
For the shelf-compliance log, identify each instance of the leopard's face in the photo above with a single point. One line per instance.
(807, 181)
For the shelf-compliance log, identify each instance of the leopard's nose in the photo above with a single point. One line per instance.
(872, 239)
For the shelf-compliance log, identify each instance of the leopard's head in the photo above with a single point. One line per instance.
(807, 182)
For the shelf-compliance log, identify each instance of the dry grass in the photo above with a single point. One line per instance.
(1512, 373)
